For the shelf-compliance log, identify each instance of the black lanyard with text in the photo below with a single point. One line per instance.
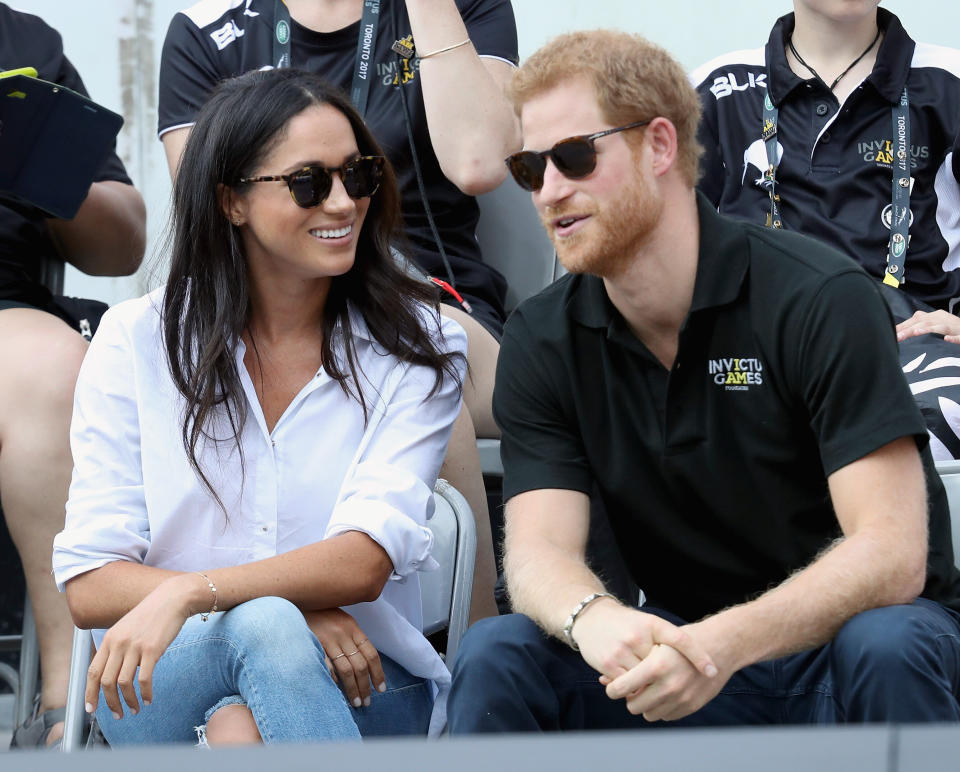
(901, 186)
(366, 45)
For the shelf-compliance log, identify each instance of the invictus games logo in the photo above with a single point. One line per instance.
(283, 32)
(881, 152)
(736, 373)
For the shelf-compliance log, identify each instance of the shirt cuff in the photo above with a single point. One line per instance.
(408, 543)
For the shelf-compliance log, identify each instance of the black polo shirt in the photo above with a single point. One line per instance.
(835, 173)
(714, 474)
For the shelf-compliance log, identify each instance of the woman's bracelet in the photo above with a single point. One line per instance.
(444, 50)
(213, 588)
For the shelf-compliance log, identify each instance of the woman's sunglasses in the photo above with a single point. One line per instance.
(574, 157)
(310, 186)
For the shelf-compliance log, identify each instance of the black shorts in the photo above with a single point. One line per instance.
(80, 314)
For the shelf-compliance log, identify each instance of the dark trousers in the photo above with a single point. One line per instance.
(893, 664)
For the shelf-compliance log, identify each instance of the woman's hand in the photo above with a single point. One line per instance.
(923, 322)
(139, 639)
(353, 661)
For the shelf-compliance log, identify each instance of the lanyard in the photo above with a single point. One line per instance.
(900, 209)
(769, 136)
(901, 183)
(366, 45)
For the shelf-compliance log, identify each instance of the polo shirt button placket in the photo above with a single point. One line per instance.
(822, 109)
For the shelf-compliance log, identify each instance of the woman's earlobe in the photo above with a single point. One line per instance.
(228, 205)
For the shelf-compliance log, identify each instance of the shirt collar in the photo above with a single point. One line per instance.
(889, 74)
(722, 264)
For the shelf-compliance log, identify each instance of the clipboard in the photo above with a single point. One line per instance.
(52, 142)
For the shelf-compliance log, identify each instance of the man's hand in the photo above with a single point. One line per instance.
(614, 639)
(665, 686)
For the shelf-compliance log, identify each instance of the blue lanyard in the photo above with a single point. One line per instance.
(900, 209)
(366, 45)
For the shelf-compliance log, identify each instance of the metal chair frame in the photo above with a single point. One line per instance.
(25, 680)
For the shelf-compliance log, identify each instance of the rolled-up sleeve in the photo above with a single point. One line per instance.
(106, 517)
(388, 491)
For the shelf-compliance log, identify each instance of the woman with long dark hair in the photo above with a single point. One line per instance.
(256, 445)
(428, 77)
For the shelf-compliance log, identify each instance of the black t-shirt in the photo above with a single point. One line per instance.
(27, 41)
(212, 41)
(835, 172)
(714, 475)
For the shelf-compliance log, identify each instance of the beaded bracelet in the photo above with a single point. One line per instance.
(213, 588)
(568, 626)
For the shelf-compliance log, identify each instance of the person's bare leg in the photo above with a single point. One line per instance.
(461, 468)
(41, 356)
(233, 725)
(482, 352)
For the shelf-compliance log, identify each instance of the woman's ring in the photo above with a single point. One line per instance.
(334, 659)
(351, 653)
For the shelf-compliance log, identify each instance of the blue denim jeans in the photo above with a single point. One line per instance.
(892, 664)
(263, 654)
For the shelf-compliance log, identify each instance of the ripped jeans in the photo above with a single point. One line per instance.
(262, 654)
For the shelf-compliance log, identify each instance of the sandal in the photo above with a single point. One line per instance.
(34, 732)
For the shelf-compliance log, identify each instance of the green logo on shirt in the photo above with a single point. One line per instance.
(283, 32)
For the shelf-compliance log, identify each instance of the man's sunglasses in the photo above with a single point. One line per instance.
(574, 157)
(310, 186)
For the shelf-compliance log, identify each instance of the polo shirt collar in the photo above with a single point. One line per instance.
(889, 74)
(722, 264)
(722, 260)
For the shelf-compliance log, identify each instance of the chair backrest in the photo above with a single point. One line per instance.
(513, 241)
(445, 593)
(950, 474)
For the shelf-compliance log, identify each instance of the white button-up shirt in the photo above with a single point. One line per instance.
(320, 472)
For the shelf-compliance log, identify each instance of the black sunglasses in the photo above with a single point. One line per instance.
(310, 186)
(574, 157)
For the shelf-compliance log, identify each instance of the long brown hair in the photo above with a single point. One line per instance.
(207, 301)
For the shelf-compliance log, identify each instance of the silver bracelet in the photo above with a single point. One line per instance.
(568, 625)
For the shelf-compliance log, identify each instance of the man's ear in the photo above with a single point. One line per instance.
(231, 204)
(661, 137)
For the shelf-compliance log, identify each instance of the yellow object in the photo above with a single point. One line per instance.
(888, 279)
(30, 72)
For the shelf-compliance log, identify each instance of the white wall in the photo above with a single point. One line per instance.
(116, 46)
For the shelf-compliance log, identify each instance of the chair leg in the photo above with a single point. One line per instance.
(75, 718)
(29, 667)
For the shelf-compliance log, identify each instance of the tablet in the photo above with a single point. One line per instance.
(52, 143)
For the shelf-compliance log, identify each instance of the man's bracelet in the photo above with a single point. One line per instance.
(568, 625)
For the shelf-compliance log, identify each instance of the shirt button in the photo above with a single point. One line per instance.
(264, 529)
(825, 139)
(822, 109)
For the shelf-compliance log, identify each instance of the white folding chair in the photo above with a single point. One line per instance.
(445, 593)
(445, 597)
(950, 475)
